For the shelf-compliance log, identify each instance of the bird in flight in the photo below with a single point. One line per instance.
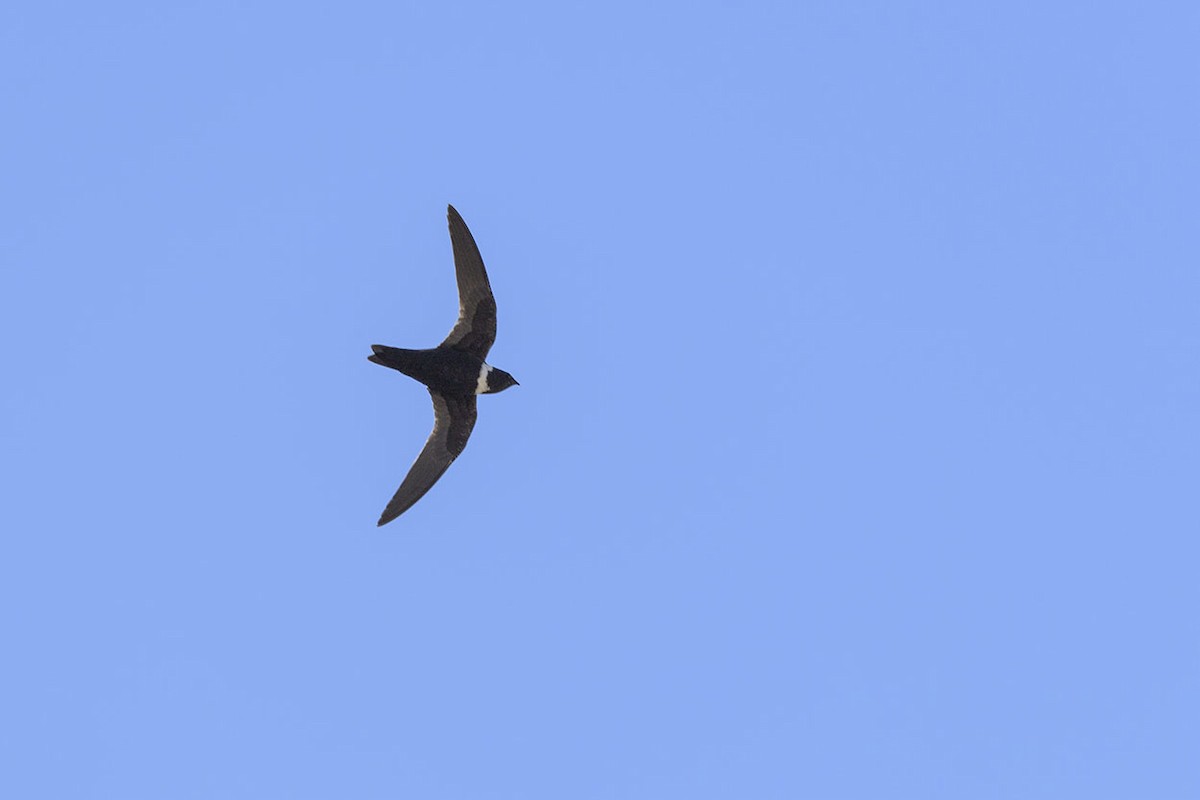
(454, 371)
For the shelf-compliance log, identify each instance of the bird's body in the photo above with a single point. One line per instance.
(444, 369)
(454, 372)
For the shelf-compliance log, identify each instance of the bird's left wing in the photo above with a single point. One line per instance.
(475, 330)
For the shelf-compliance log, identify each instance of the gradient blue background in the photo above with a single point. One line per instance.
(856, 453)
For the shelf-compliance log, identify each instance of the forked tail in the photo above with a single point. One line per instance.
(395, 357)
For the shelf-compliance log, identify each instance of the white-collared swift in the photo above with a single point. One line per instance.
(454, 371)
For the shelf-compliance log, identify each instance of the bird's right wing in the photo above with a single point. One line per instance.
(475, 330)
(453, 420)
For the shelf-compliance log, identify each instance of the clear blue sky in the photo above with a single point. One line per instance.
(856, 452)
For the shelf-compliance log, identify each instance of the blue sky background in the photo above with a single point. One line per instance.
(856, 452)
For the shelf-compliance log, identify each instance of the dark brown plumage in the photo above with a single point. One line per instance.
(454, 371)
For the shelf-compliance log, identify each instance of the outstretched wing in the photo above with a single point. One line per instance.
(453, 419)
(475, 330)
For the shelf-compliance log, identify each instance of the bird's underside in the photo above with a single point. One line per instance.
(454, 372)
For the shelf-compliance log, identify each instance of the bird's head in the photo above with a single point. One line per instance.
(498, 380)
